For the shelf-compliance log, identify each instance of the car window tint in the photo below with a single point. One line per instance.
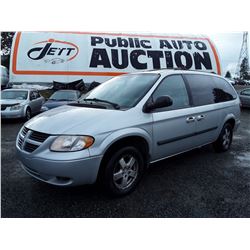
(173, 86)
(37, 94)
(32, 95)
(202, 89)
(223, 91)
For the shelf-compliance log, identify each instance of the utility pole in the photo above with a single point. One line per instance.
(243, 54)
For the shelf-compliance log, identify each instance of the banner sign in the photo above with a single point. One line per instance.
(98, 56)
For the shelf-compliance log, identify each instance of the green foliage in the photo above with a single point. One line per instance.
(244, 69)
(6, 42)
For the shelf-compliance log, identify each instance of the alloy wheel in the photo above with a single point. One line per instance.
(125, 171)
(226, 138)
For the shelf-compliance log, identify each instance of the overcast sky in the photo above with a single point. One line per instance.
(228, 45)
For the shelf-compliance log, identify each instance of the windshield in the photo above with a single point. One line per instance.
(64, 96)
(125, 91)
(15, 95)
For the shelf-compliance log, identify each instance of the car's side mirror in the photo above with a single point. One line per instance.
(160, 102)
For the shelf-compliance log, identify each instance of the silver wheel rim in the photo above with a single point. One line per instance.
(125, 171)
(226, 138)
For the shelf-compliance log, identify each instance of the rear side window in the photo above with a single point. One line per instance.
(223, 91)
(173, 86)
(202, 89)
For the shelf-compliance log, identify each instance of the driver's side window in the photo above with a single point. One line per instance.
(173, 86)
(32, 96)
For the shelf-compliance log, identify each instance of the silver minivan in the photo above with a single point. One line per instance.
(113, 132)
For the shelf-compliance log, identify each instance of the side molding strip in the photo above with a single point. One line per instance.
(185, 136)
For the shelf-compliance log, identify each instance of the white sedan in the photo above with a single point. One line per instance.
(20, 103)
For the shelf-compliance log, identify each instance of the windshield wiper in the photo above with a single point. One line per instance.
(115, 105)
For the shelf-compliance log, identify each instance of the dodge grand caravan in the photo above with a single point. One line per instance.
(116, 130)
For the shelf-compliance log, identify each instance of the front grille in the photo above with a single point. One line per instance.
(20, 142)
(29, 140)
(30, 147)
(24, 131)
(37, 136)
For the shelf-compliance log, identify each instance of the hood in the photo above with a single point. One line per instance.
(50, 104)
(80, 120)
(11, 101)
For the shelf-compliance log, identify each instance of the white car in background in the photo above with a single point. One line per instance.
(245, 98)
(20, 103)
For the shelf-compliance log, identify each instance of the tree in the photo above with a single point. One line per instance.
(228, 75)
(6, 42)
(244, 67)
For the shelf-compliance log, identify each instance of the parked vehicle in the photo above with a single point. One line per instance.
(61, 97)
(4, 77)
(117, 129)
(241, 82)
(245, 97)
(20, 103)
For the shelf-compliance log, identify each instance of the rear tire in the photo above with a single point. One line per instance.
(123, 171)
(223, 143)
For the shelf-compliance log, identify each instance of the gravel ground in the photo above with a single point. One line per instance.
(199, 183)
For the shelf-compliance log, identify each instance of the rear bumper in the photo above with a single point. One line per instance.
(63, 172)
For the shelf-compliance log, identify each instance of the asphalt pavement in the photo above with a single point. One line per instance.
(200, 183)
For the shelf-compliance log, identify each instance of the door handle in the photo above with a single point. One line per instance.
(200, 117)
(190, 119)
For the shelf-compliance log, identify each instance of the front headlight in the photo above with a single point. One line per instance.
(16, 107)
(71, 143)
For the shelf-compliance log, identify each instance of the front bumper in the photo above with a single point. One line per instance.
(12, 114)
(60, 168)
(62, 173)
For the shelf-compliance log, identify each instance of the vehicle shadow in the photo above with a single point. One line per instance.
(12, 121)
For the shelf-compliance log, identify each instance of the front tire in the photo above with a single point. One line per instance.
(123, 171)
(28, 114)
(223, 143)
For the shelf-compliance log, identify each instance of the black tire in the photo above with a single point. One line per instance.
(28, 114)
(123, 171)
(223, 143)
